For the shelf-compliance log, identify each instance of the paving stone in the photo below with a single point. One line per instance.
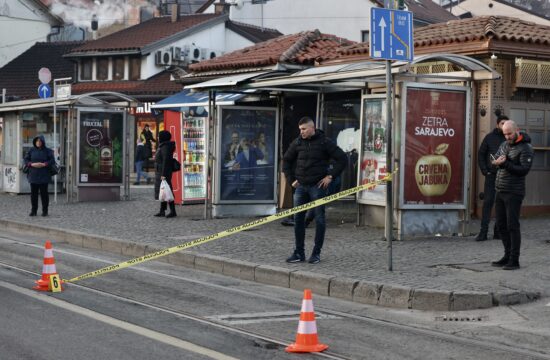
(430, 299)
(367, 293)
(342, 288)
(317, 283)
(395, 296)
(209, 263)
(272, 275)
(239, 269)
(467, 300)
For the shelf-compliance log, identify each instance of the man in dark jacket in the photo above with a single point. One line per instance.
(306, 167)
(514, 160)
(489, 146)
(38, 160)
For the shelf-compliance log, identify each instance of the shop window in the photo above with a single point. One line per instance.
(365, 36)
(9, 154)
(86, 69)
(118, 69)
(102, 69)
(341, 123)
(135, 68)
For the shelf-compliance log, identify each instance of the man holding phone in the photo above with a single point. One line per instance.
(486, 155)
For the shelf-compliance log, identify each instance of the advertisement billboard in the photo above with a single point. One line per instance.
(100, 148)
(247, 152)
(434, 143)
(373, 150)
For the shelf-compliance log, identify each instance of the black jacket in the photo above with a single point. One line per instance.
(41, 154)
(511, 174)
(141, 153)
(164, 163)
(308, 160)
(490, 144)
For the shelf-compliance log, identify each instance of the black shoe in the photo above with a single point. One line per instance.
(33, 213)
(512, 265)
(44, 213)
(481, 236)
(171, 215)
(288, 222)
(295, 257)
(136, 183)
(160, 214)
(501, 262)
(314, 259)
(149, 180)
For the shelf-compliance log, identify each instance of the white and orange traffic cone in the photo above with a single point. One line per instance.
(306, 338)
(48, 269)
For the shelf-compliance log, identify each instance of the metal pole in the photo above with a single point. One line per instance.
(389, 170)
(207, 157)
(55, 154)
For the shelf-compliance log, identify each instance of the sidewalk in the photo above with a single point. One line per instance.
(439, 273)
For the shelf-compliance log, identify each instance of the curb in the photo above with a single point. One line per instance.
(360, 291)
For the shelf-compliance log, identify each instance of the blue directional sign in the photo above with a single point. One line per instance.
(391, 34)
(44, 91)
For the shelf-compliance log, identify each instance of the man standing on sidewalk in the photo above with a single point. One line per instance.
(306, 167)
(514, 160)
(489, 146)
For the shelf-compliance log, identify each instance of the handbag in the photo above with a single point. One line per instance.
(54, 169)
(176, 166)
(25, 169)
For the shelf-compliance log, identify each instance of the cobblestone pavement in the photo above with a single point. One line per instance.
(436, 263)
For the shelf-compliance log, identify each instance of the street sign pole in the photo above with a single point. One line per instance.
(389, 169)
(55, 152)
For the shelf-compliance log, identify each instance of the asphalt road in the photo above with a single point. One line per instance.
(156, 310)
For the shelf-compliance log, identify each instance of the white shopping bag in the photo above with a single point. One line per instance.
(165, 194)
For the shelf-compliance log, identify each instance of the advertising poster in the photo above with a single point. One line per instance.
(248, 148)
(373, 151)
(140, 133)
(434, 140)
(101, 148)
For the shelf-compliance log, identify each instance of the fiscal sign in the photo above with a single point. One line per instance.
(231, 231)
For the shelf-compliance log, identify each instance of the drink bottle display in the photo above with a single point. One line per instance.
(106, 152)
(194, 179)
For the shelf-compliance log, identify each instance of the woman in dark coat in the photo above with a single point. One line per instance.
(163, 170)
(38, 159)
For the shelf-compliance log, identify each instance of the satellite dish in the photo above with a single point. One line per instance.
(238, 3)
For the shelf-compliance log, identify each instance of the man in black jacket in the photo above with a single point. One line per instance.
(489, 146)
(515, 157)
(306, 167)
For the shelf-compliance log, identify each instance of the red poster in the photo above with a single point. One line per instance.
(434, 147)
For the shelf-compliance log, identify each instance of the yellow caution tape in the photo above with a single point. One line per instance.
(233, 230)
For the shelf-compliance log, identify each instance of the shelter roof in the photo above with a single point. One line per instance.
(20, 76)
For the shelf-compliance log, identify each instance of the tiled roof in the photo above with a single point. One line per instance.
(304, 48)
(428, 11)
(20, 76)
(253, 33)
(483, 28)
(159, 84)
(146, 33)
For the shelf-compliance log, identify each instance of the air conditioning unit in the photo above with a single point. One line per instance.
(194, 53)
(204, 53)
(176, 53)
(213, 54)
(163, 57)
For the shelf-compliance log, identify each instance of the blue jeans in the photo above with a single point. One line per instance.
(139, 171)
(303, 195)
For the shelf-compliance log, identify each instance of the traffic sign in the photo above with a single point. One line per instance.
(391, 34)
(44, 75)
(44, 91)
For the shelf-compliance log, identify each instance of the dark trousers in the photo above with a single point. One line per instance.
(44, 197)
(508, 207)
(303, 195)
(488, 201)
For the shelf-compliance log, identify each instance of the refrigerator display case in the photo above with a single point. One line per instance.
(188, 131)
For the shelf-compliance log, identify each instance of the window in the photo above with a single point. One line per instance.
(102, 69)
(135, 68)
(86, 69)
(118, 69)
(536, 122)
(365, 36)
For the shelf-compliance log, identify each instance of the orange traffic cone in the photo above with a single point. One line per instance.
(306, 338)
(48, 269)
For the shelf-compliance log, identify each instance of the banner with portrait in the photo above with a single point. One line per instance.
(434, 143)
(373, 150)
(247, 153)
(100, 148)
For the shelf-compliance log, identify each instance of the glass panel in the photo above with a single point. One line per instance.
(548, 138)
(135, 68)
(102, 69)
(537, 138)
(86, 69)
(548, 120)
(538, 160)
(535, 117)
(118, 69)
(10, 140)
(518, 115)
(34, 124)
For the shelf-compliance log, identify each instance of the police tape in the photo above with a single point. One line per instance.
(231, 231)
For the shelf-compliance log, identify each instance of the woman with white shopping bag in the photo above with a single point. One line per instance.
(163, 174)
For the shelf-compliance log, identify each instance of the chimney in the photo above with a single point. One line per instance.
(221, 7)
(175, 12)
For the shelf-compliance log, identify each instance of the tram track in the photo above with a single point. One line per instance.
(436, 335)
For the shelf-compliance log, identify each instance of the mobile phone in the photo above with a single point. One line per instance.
(493, 157)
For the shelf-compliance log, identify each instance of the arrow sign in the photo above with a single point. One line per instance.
(382, 25)
(44, 91)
